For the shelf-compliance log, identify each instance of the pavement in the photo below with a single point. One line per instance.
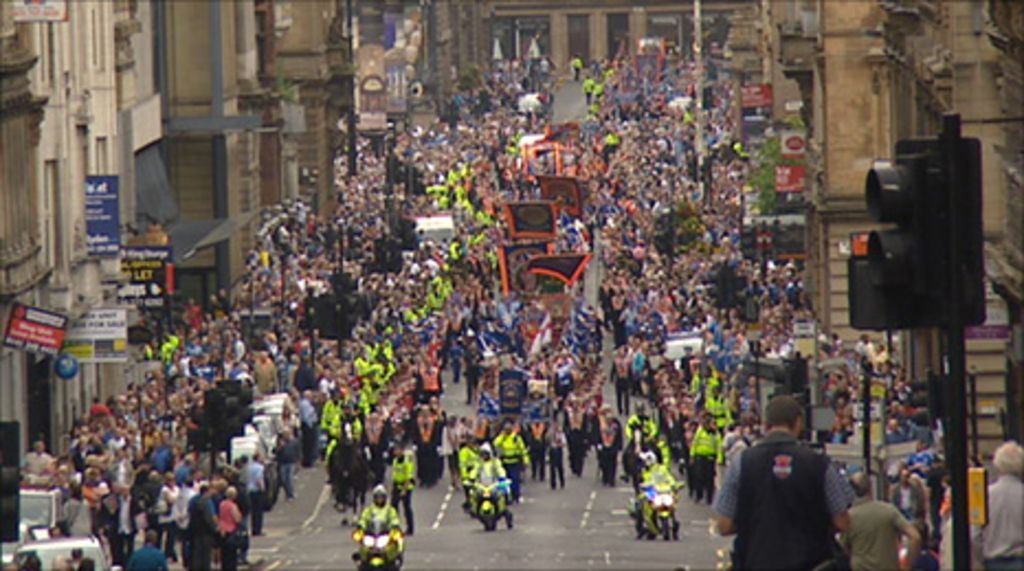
(569, 104)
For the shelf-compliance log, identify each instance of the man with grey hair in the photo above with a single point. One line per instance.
(873, 540)
(1001, 540)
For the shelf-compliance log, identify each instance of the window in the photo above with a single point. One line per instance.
(579, 36)
(95, 36)
(102, 156)
(51, 208)
(50, 62)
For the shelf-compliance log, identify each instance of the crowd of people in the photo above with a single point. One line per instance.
(439, 318)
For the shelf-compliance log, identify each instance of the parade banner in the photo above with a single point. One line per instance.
(512, 263)
(567, 268)
(35, 330)
(564, 190)
(535, 219)
(511, 391)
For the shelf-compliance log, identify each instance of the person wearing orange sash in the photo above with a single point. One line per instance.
(609, 445)
(425, 436)
(378, 441)
(577, 437)
(537, 442)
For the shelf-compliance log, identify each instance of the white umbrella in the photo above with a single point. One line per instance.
(530, 103)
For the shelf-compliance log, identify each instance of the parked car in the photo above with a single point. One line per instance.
(52, 551)
(39, 511)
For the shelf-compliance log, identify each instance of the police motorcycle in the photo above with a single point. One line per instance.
(489, 499)
(381, 545)
(654, 508)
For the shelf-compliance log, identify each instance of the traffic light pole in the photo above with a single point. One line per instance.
(865, 385)
(956, 358)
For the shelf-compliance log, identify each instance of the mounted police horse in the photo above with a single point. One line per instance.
(349, 472)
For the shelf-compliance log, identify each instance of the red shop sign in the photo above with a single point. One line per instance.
(758, 95)
(35, 330)
(789, 178)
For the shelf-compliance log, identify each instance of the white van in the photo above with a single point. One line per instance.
(439, 229)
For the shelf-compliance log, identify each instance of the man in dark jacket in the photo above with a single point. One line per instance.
(202, 528)
(117, 522)
(782, 500)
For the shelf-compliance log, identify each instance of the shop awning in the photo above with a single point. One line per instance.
(190, 236)
(154, 197)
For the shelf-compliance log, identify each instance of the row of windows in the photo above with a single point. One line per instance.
(95, 45)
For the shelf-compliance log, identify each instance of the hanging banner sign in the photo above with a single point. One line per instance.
(39, 10)
(35, 330)
(789, 178)
(102, 217)
(145, 270)
(758, 95)
(793, 143)
(100, 336)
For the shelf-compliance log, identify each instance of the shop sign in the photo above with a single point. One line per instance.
(35, 330)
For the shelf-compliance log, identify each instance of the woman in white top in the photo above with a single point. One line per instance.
(165, 505)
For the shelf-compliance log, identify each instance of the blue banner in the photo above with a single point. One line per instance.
(102, 216)
(511, 391)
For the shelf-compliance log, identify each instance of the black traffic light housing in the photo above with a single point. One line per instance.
(227, 409)
(901, 279)
(10, 480)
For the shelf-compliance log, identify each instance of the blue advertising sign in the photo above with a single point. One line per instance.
(102, 216)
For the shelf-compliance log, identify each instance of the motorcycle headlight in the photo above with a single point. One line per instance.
(663, 500)
(383, 541)
(369, 541)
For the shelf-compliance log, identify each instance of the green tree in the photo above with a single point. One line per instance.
(762, 177)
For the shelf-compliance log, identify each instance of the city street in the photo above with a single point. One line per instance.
(584, 526)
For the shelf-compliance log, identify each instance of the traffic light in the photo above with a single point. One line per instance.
(211, 433)
(10, 480)
(899, 277)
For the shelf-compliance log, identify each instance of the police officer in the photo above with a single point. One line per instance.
(588, 89)
(403, 481)
(380, 511)
(782, 500)
(512, 451)
(577, 67)
(642, 423)
(705, 451)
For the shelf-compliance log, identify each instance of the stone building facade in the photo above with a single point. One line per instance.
(870, 73)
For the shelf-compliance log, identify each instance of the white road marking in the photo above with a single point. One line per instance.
(271, 549)
(607, 559)
(274, 565)
(586, 510)
(620, 512)
(444, 506)
(324, 494)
